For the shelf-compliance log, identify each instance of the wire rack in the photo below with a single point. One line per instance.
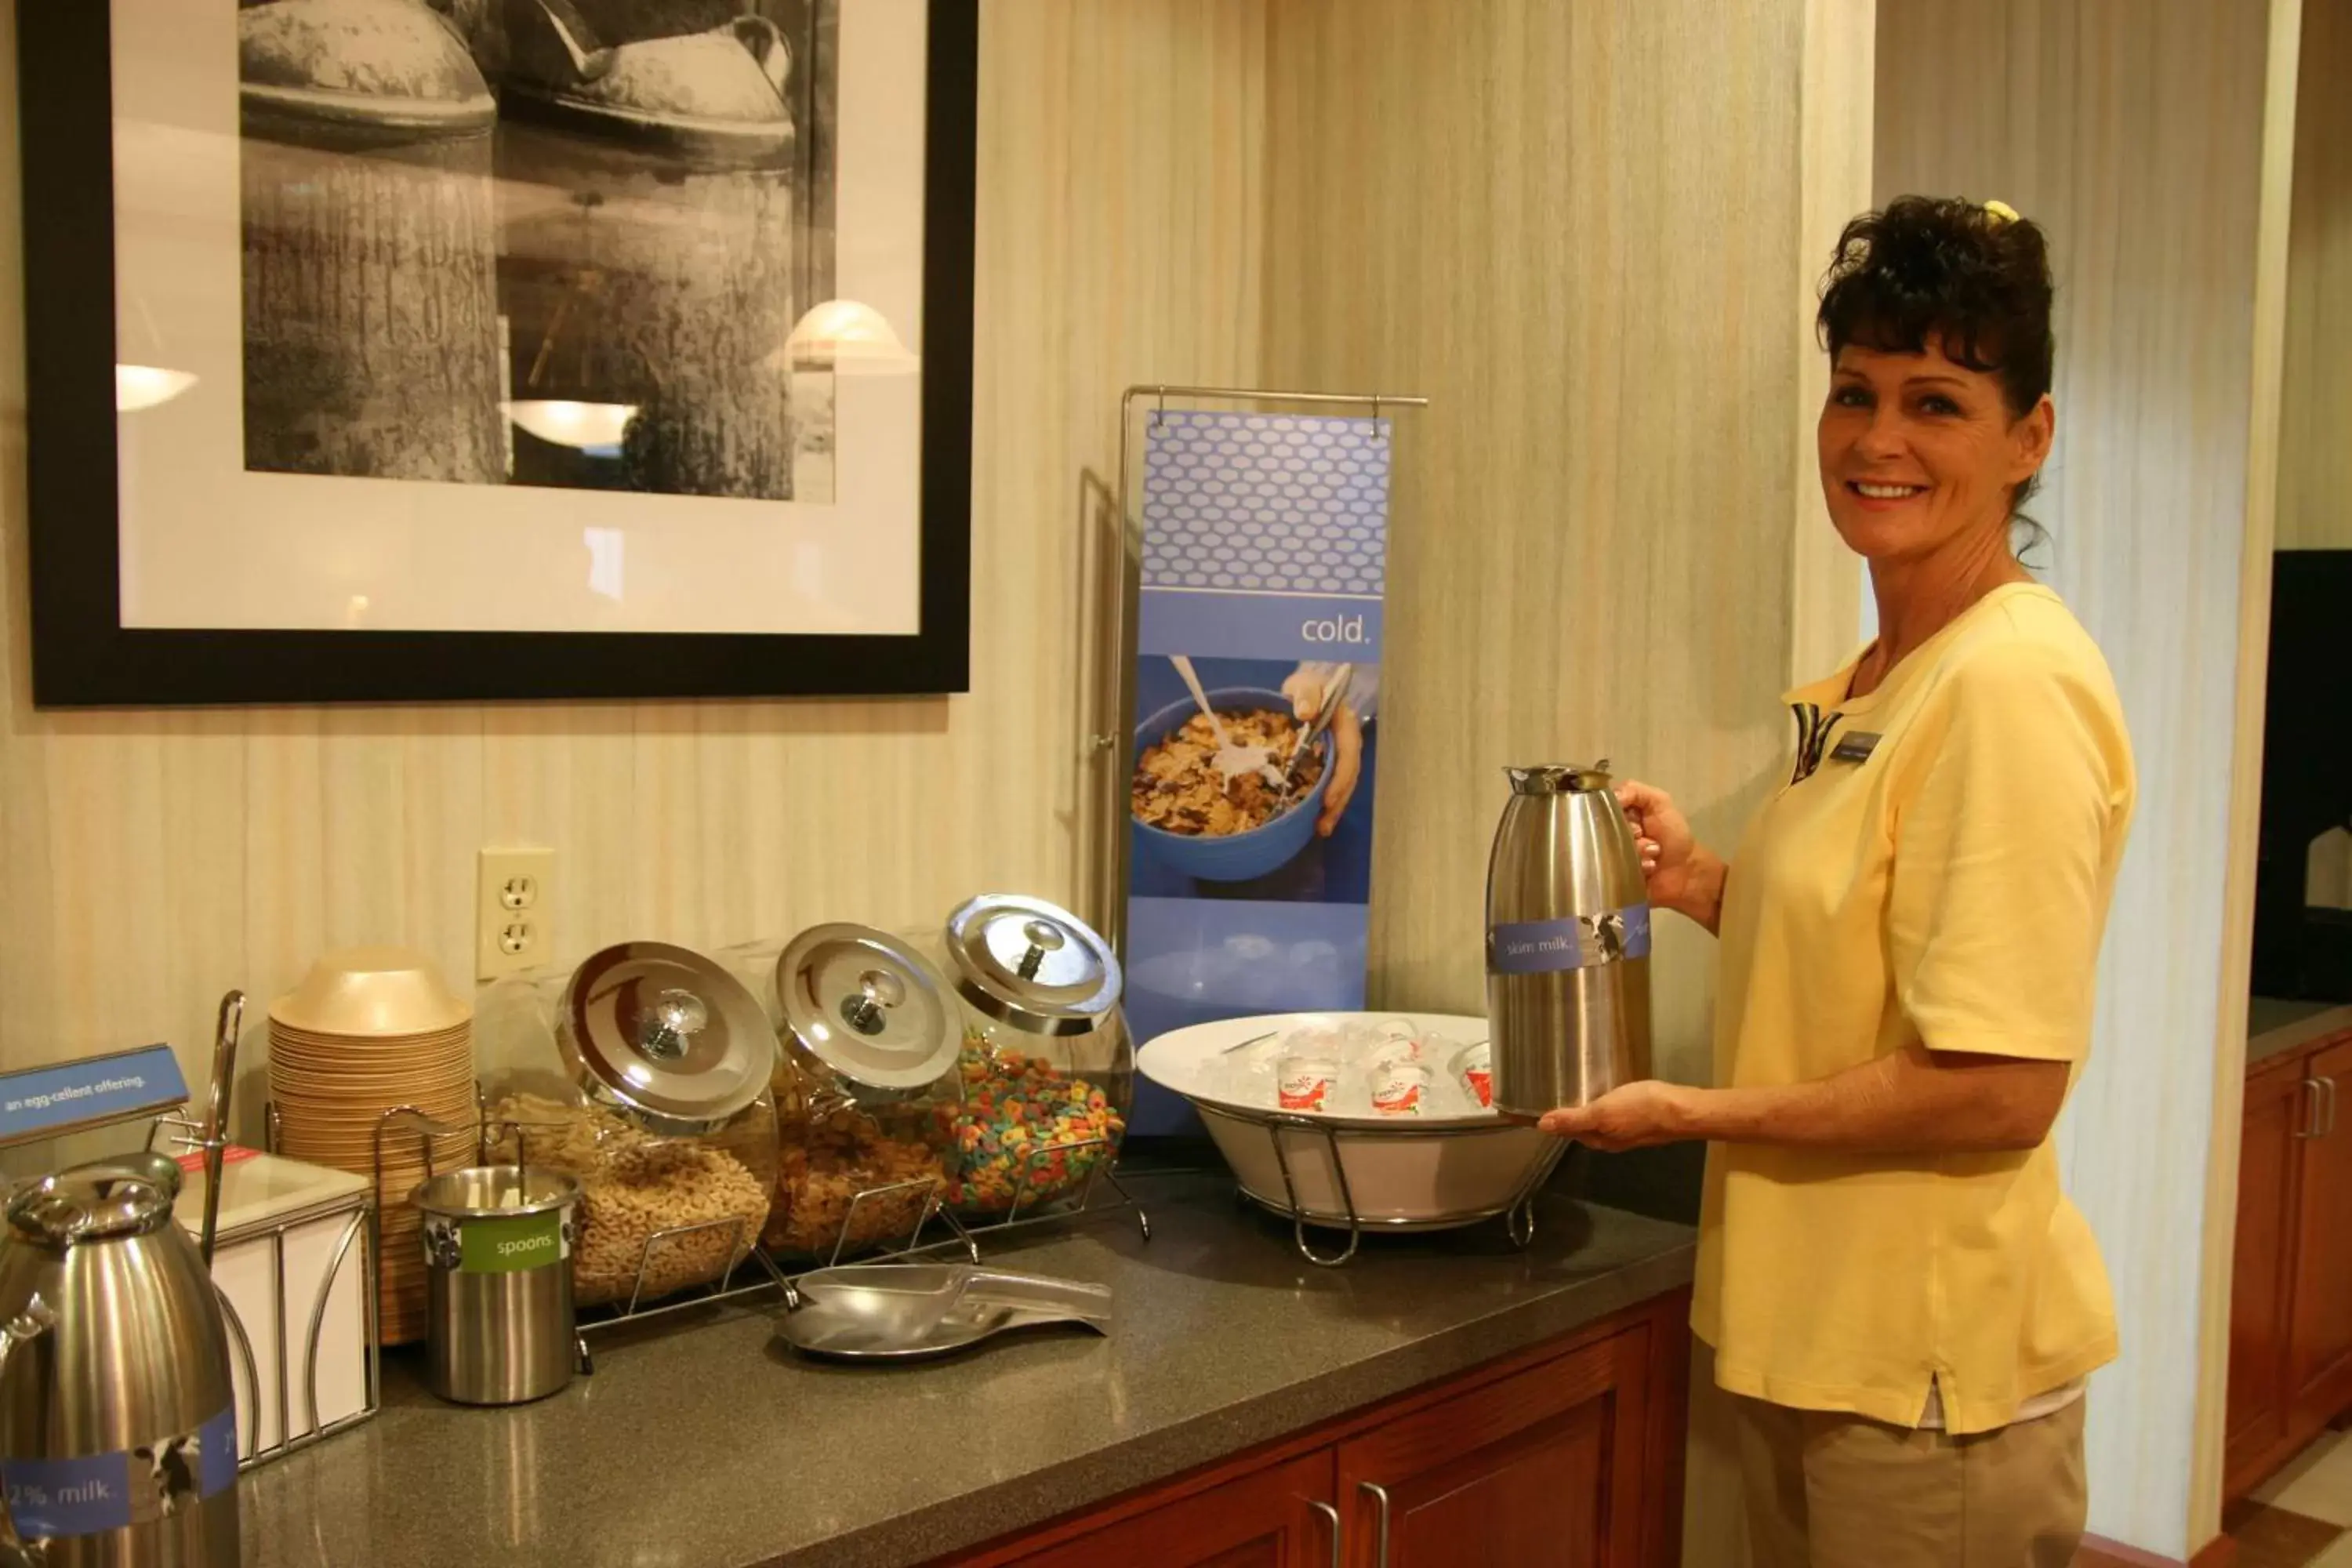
(1518, 1213)
(936, 1227)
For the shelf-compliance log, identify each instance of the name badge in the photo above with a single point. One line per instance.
(1855, 748)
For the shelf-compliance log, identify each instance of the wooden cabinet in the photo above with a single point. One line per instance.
(2261, 1275)
(2291, 1285)
(2319, 1336)
(1542, 1466)
(1569, 1455)
(1279, 1518)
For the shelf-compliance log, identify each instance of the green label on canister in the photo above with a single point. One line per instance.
(507, 1246)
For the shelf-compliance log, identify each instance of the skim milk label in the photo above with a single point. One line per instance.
(1580, 942)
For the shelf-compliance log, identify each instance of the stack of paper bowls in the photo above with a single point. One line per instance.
(370, 1030)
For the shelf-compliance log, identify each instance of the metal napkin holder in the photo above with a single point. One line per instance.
(211, 1138)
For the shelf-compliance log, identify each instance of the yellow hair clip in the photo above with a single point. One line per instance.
(2000, 213)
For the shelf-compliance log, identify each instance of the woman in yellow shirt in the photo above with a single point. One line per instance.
(1901, 1300)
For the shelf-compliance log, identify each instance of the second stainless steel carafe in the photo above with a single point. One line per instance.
(1568, 943)
(117, 1431)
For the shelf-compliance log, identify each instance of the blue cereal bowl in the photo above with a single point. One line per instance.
(1237, 857)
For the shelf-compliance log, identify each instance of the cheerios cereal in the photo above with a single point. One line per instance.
(635, 1186)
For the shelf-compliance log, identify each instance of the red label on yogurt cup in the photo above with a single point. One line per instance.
(1397, 1088)
(1474, 1065)
(1303, 1082)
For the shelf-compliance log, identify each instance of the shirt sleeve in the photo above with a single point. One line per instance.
(2003, 857)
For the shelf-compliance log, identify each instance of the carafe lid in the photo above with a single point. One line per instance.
(868, 1006)
(667, 1033)
(1559, 778)
(1033, 965)
(103, 1199)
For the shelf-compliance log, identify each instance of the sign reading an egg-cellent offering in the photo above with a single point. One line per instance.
(1251, 784)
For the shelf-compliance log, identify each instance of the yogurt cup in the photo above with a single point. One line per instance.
(1304, 1082)
(1399, 1088)
(1474, 1065)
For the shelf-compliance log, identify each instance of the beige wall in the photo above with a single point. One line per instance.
(149, 861)
(2132, 129)
(2315, 507)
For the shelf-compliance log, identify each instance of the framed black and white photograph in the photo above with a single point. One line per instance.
(432, 350)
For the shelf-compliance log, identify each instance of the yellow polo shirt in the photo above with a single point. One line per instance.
(1937, 864)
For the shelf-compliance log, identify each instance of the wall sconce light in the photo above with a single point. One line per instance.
(847, 338)
(139, 386)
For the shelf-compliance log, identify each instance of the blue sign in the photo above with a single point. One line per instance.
(53, 1499)
(1289, 626)
(1548, 947)
(45, 1102)
(1265, 563)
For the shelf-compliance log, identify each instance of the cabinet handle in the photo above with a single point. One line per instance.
(2314, 1116)
(1331, 1515)
(1380, 1531)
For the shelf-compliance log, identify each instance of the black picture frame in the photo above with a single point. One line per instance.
(84, 658)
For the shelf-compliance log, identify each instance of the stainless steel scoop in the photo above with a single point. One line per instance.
(902, 1310)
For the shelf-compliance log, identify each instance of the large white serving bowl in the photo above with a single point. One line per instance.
(1428, 1174)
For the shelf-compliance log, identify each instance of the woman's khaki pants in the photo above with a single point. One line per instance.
(1828, 1490)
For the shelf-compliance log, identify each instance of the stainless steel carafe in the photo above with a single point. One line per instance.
(1568, 943)
(118, 1428)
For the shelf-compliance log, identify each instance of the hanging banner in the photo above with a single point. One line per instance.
(1250, 797)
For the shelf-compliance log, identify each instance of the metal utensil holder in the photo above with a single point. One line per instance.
(1518, 1215)
(185, 1134)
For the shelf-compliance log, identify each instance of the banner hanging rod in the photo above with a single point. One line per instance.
(1257, 395)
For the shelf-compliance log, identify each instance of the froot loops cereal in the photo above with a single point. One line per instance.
(1020, 1128)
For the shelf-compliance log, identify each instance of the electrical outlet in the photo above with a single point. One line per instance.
(513, 922)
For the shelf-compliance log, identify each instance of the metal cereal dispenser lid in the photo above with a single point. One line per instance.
(1032, 964)
(665, 1032)
(868, 1006)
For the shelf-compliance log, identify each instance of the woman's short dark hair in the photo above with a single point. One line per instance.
(1974, 277)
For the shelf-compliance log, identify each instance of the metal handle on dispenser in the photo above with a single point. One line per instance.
(232, 1020)
(35, 1321)
(1331, 1517)
(1380, 1531)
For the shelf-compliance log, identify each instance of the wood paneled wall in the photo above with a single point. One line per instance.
(150, 860)
(2133, 131)
(1589, 234)
(1577, 230)
(2314, 508)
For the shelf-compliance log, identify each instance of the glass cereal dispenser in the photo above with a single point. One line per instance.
(645, 1076)
(1047, 1065)
(868, 1096)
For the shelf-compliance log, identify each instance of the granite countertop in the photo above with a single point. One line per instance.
(702, 1442)
(2275, 1027)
